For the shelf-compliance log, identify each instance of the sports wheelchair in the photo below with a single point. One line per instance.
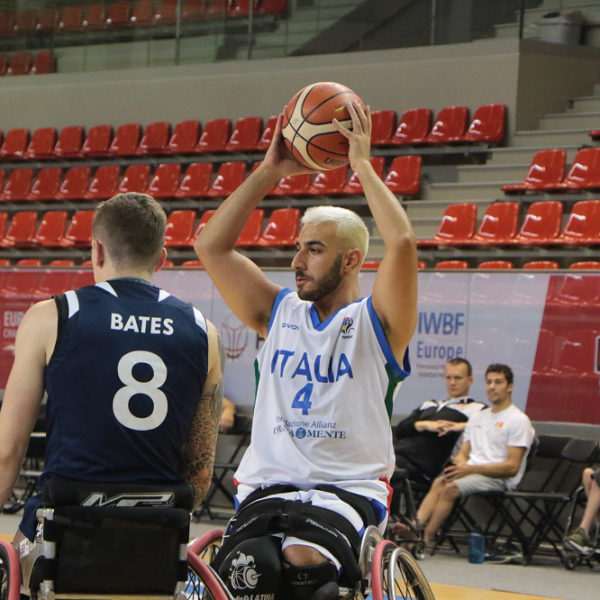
(105, 541)
(388, 572)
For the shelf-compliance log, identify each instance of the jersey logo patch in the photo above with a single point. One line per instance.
(346, 327)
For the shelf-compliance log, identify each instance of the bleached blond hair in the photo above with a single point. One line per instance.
(351, 229)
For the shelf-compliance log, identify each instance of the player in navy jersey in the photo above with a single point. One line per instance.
(133, 375)
(321, 448)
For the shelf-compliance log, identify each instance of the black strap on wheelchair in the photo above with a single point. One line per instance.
(303, 520)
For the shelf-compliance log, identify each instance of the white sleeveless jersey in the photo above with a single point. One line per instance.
(323, 400)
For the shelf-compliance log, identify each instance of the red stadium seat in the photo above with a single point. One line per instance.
(541, 265)
(371, 265)
(17, 186)
(180, 228)
(196, 181)
(165, 13)
(281, 228)
(499, 224)
(206, 215)
(240, 8)
(252, 229)
(42, 143)
(25, 22)
(452, 264)
(7, 23)
(487, 125)
(51, 229)
(126, 140)
(75, 184)
(192, 264)
(29, 262)
(3, 64)
(3, 222)
(21, 230)
(214, 136)
(104, 183)
(46, 185)
(584, 173)
(44, 62)
(4, 262)
(546, 171)
(61, 262)
(143, 13)
(230, 176)
(165, 181)
(119, 14)
(585, 265)
(495, 264)
(155, 139)
(383, 127)
(542, 223)
(15, 144)
(167, 264)
(69, 142)
(48, 20)
(20, 63)
(354, 187)
(71, 19)
(449, 126)
(98, 141)
(404, 175)
(217, 9)
(135, 179)
(79, 231)
(267, 133)
(245, 135)
(574, 289)
(583, 224)
(413, 127)
(294, 185)
(184, 137)
(272, 7)
(2, 178)
(330, 182)
(95, 16)
(456, 227)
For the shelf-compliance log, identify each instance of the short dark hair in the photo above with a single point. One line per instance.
(500, 368)
(132, 227)
(461, 361)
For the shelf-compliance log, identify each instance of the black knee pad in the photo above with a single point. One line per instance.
(316, 581)
(253, 569)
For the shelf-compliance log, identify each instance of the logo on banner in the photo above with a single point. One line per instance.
(235, 337)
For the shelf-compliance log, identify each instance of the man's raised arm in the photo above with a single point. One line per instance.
(241, 283)
(395, 287)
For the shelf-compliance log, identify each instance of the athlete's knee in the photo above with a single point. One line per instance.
(312, 582)
(253, 569)
(451, 491)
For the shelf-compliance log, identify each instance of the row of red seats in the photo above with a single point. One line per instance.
(541, 225)
(56, 229)
(537, 265)
(201, 180)
(101, 15)
(24, 63)
(248, 134)
(547, 172)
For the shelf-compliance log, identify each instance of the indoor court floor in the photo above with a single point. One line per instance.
(452, 577)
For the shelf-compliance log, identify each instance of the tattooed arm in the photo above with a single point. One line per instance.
(199, 451)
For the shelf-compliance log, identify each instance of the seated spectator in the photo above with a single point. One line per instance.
(423, 441)
(492, 456)
(227, 419)
(579, 539)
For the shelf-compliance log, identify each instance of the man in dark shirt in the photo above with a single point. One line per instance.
(424, 440)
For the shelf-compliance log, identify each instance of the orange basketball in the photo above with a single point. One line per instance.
(307, 129)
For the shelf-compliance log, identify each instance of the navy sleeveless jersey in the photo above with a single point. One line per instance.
(124, 383)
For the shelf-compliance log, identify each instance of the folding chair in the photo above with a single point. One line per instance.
(241, 430)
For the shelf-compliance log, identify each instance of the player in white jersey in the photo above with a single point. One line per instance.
(326, 374)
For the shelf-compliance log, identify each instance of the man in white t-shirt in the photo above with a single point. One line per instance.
(492, 457)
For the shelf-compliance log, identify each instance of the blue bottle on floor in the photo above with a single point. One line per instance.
(476, 547)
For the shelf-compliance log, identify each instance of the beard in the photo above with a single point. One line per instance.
(325, 284)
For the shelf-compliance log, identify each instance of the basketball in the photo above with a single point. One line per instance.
(308, 131)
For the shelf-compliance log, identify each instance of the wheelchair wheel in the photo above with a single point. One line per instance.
(10, 572)
(203, 582)
(207, 545)
(395, 575)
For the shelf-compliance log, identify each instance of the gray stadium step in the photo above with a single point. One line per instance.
(570, 121)
(464, 192)
(514, 156)
(585, 104)
(509, 173)
(550, 138)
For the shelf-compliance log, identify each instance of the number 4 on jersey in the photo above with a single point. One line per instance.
(302, 398)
